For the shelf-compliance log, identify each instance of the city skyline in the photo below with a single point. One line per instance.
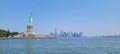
(90, 17)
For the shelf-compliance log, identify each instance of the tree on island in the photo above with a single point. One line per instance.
(8, 33)
(4, 33)
(12, 34)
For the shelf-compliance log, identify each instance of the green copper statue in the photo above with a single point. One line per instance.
(30, 19)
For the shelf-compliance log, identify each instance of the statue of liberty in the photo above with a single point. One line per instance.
(30, 20)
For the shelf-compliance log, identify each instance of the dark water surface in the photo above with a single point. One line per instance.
(61, 46)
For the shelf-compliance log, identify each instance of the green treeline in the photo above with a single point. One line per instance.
(7, 33)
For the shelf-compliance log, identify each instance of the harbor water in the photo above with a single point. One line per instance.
(61, 46)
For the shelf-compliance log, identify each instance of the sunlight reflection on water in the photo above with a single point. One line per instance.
(28, 46)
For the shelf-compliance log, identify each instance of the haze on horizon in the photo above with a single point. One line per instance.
(92, 17)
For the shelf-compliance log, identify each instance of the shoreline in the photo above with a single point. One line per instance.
(7, 38)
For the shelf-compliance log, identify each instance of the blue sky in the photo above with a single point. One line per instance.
(92, 17)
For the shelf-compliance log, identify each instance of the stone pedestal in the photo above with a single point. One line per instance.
(29, 32)
(29, 28)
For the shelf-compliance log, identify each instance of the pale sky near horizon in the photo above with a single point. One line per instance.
(92, 17)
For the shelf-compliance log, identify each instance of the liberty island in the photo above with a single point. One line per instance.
(29, 32)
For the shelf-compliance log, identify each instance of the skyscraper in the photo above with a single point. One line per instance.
(55, 32)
